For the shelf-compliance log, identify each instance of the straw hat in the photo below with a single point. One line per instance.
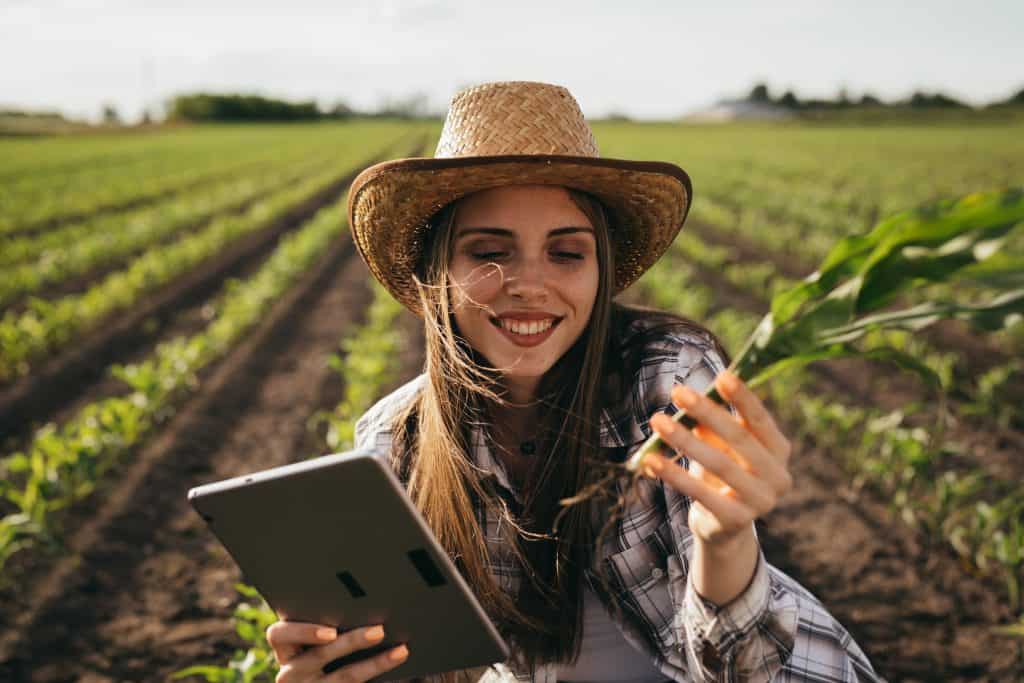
(511, 133)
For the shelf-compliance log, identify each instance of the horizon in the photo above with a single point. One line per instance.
(613, 61)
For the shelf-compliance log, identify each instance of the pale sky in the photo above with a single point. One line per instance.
(645, 58)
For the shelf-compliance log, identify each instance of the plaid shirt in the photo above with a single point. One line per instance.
(774, 630)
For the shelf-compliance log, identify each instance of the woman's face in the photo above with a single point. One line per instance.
(525, 272)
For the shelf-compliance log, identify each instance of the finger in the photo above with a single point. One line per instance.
(714, 417)
(774, 472)
(664, 427)
(372, 667)
(731, 514)
(712, 439)
(345, 644)
(753, 412)
(288, 638)
(755, 493)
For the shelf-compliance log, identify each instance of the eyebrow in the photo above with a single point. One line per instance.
(504, 232)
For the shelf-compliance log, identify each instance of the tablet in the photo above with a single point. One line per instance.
(336, 540)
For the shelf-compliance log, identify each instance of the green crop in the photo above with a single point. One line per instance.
(842, 301)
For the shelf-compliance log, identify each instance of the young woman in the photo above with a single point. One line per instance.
(511, 244)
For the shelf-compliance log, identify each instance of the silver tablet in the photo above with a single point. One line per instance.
(336, 540)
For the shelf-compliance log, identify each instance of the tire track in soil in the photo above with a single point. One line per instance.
(153, 592)
(38, 398)
(913, 609)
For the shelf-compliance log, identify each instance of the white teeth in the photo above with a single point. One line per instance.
(532, 327)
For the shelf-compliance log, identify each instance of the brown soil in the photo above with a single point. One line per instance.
(912, 608)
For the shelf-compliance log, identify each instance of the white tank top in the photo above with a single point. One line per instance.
(606, 656)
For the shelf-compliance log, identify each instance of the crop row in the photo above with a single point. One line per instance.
(147, 169)
(108, 240)
(799, 242)
(46, 327)
(62, 464)
(21, 248)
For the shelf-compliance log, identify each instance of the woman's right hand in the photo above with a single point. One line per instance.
(302, 650)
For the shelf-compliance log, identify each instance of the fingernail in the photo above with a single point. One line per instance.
(375, 633)
(326, 633)
(730, 381)
(399, 653)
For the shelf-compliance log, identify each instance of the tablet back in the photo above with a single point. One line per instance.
(336, 540)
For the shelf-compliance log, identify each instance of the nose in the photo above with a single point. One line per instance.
(526, 280)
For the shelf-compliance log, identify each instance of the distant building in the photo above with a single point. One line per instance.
(739, 110)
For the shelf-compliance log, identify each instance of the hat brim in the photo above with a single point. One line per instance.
(390, 203)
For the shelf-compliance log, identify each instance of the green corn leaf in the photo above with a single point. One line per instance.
(989, 316)
(1001, 271)
(900, 269)
(930, 243)
(885, 354)
(820, 317)
(212, 674)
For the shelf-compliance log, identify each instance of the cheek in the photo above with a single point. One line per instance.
(584, 289)
(476, 286)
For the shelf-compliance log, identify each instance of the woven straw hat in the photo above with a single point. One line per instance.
(511, 133)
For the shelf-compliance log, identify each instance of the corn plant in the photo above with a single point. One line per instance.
(842, 301)
(246, 666)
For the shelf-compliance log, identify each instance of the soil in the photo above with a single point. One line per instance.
(912, 608)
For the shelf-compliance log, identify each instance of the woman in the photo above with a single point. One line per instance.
(511, 244)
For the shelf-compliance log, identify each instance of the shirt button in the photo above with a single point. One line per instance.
(657, 573)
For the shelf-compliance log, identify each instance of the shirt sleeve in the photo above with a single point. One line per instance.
(774, 629)
(373, 429)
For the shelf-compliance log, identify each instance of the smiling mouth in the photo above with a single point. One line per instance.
(523, 329)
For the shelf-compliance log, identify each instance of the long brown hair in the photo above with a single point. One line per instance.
(433, 454)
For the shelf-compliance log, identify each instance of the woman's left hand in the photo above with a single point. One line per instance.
(738, 465)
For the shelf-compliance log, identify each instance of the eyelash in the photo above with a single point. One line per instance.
(562, 254)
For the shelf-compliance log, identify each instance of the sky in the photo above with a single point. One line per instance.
(644, 58)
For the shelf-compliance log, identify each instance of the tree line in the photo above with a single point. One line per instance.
(231, 107)
(918, 100)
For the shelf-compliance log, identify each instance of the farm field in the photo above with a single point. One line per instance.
(184, 306)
